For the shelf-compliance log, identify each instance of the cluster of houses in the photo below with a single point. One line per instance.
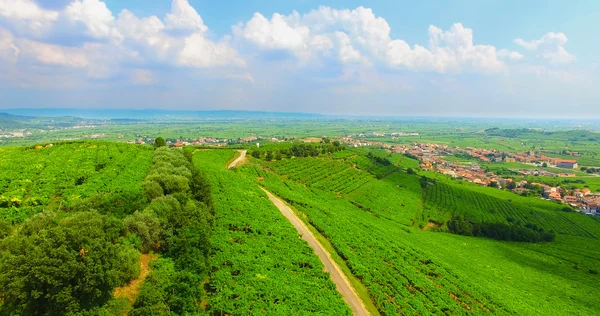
(141, 139)
(431, 157)
(15, 134)
(487, 155)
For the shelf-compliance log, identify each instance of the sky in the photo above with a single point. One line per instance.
(398, 58)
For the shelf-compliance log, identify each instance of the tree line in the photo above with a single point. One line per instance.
(176, 223)
(298, 150)
(499, 231)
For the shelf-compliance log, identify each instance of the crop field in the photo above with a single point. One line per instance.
(409, 271)
(59, 176)
(443, 200)
(259, 265)
(330, 175)
(384, 198)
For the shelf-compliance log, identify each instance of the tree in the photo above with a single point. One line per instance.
(511, 185)
(159, 142)
(545, 165)
(256, 154)
(269, 156)
(493, 184)
(64, 265)
(146, 225)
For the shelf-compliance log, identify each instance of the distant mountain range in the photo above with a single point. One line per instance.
(151, 114)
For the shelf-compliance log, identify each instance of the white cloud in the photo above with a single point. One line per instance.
(184, 16)
(506, 54)
(360, 36)
(449, 51)
(27, 15)
(277, 33)
(550, 47)
(56, 55)
(152, 39)
(356, 39)
(200, 52)
(97, 18)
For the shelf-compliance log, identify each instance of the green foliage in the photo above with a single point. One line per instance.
(178, 222)
(65, 176)
(258, 262)
(499, 231)
(409, 271)
(147, 226)
(447, 199)
(159, 142)
(55, 266)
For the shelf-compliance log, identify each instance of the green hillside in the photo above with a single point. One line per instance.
(384, 231)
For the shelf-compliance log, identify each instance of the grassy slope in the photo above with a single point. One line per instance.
(259, 264)
(505, 277)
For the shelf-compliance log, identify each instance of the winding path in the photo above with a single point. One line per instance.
(337, 276)
(238, 159)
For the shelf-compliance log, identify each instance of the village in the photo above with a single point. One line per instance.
(436, 158)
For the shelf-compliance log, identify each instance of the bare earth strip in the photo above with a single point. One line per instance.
(238, 159)
(337, 276)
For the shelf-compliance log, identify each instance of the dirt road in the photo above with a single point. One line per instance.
(238, 159)
(337, 276)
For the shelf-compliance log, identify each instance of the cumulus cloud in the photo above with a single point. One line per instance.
(506, 54)
(358, 36)
(201, 52)
(97, 18)
(550, 47)
(27, 15)
(333, 42)
(184, 16)
(106, 43)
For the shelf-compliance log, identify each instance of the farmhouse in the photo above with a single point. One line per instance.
(567, 164)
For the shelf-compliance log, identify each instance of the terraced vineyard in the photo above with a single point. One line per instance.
(373, 229)
(443, 200)
(259, 265)
(32, 179)
(326, 174)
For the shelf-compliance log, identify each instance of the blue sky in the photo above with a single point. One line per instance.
(440, 58)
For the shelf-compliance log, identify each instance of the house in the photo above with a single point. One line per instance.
(508, 159)
(570, 199)
(585, 191)
(567, 164)
(555, 196)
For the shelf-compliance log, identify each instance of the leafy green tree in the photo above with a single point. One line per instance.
(147, 226)
(255, 154)
(152, 189)
(545, 165)
(59, 266)
(159, 142)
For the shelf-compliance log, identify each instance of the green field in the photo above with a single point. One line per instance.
(373, 224)
(213, 243)
(65, 174)
(259, 265)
